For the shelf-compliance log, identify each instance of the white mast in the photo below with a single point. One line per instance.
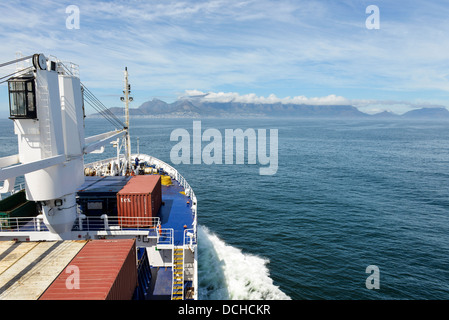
(127, 99)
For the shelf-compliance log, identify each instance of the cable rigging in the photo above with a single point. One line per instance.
(89, 97)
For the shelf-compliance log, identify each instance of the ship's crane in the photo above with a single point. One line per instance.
(47, 107)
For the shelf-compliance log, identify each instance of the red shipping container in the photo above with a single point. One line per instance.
(102, 270)
(139, 200)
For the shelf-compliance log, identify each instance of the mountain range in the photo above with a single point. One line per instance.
(194, 108)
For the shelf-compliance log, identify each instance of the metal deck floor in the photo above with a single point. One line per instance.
(176, 212)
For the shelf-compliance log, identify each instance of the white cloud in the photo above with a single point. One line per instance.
(253, 98)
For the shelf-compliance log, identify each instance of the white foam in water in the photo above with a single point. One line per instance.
(226, 273)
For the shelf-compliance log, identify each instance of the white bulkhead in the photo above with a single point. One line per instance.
(53, 134)
(57, 133)
(72, 114)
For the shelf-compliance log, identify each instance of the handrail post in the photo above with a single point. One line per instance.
(81, 217)
(105, 218)
(38, 222)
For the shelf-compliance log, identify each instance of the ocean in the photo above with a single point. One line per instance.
(347, 194)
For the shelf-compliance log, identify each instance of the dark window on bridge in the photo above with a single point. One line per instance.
(22, 98)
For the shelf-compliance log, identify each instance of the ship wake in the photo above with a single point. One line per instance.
(226, 273)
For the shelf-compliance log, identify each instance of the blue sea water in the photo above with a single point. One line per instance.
(347, 194)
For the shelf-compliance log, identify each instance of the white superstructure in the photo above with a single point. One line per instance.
(48, 115)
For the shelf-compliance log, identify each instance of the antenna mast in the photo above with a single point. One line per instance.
(127, 99)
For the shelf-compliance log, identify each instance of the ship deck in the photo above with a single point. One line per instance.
(176, 212)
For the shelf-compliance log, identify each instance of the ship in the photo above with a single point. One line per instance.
(121, 228)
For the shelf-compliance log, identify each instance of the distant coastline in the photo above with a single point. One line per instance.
(191, 108)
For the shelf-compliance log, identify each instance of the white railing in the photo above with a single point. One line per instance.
(69, 67)
(24, 224)
(18, 187)
(84, 223)
(189, 238)
(165, 236)
(114, 223)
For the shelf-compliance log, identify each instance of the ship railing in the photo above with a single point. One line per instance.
(115, 223)
(17, 187)
(68, 67)
(102, 223)
(165, 236)
(22, 224)
(189, 238)
(174, 174)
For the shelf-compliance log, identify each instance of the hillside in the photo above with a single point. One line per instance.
(198, 108)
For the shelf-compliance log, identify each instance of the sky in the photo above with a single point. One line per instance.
(300, 51)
